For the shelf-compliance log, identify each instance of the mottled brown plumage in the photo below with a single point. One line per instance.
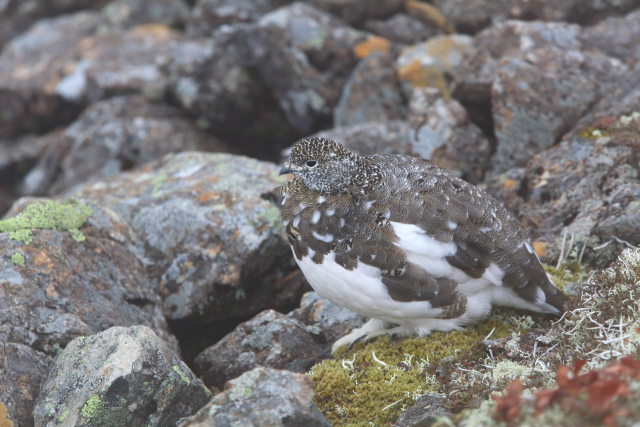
(431, 236)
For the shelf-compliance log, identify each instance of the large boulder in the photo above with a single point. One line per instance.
(66, 270)
(214, 247)
(119, 377)
(110, 136)
(248, 85)
(48, 74)
(371, 93)
(526, 74)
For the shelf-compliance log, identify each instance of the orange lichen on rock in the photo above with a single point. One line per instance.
(541, 248)
(370, 45)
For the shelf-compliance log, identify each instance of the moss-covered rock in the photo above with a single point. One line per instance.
(50, 215)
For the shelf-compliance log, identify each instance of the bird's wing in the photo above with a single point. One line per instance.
(482, 232)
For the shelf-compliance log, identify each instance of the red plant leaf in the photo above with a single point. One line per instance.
(508, 406)
(545, 398)
(602, 393)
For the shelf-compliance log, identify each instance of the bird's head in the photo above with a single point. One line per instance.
(323, 165)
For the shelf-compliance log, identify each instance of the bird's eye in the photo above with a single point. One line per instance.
(311, 163)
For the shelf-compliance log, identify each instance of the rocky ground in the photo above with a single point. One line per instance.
(144, 276)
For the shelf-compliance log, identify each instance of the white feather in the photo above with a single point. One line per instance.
(423, 250)
(362, 291)
(327, 238)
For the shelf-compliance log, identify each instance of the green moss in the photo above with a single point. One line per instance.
(63, 416)
(50, 215)
(18, 259)
(208, 392)
(374, 382)
(272, 216)
(92, 407)
(181, 374)
(157, 183)
(567, 274)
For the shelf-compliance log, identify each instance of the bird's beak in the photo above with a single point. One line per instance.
(285, 169)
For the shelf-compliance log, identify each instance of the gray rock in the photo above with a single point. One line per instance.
(621, 99)
(208, 15)
(262, 397)
(18, 15)
(501, 73)
(470, 16)
(432, 63)
(554, 95)
(325, 318)
(22, 369)
(443, 133)
(587, 187)
(437, 129)
(617, 37)
(270, 339)
(376, 137)
(31, 68)
(58, 287)
(427, 409)
(111, 136)
(216, 248)
(327, 42)
(17, 156)
(402, 28)
(356, 11)
(372, 93)
(119, 377)
(49, 73)
(511, 39)
(123, 14)
(247, 74)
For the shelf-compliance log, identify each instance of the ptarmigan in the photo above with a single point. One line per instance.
(406, 243)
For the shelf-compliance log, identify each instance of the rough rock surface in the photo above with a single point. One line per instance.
(18, 15)
(437, 129)
(535, 92)
(49, 73)
(443, 133)
(111, 136)
(214, 246)
(609, 39)
(434, 62)
(401, 28)
(208, 15)
(427, 409)
(262, 397)
(473, 15)
(22, 369)
(122, 14)
(371, 93)
(248, 74)
(355, 11)
(270, 339)
(587, 186)
(56, 284)
(29, 102)
(376, 137)
(324, 318)
(327, 42)
(119, 377)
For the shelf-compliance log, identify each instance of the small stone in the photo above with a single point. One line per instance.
(262, 397)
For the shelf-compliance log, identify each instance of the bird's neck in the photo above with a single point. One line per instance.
(368, 174)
